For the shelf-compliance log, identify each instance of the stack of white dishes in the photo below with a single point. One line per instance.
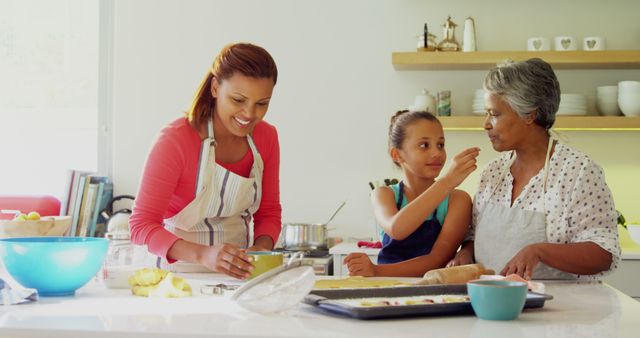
(572, 105)
(478, 103)
(629, 97)
(607, 100)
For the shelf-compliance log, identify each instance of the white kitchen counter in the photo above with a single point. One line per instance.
(577, 310)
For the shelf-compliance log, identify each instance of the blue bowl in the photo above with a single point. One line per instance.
(496, 299)
(55, 266)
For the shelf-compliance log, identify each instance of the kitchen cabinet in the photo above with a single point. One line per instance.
(609, 59)
(626, 278)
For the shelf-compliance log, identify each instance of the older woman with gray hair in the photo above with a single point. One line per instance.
(543, 209)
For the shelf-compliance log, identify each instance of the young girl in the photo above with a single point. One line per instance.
(424, 220)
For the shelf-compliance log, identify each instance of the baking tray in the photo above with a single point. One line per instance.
(325, 299)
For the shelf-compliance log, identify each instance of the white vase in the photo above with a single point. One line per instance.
(469, 37)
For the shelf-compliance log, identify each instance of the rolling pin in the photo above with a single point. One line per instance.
(454, 275)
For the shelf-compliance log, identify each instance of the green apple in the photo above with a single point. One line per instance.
(33, 216)
(20, 217)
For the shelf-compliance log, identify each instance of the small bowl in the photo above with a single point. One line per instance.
(497, 299)
(55, 266)
(264, 261)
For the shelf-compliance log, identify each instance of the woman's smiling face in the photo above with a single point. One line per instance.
(241, 102)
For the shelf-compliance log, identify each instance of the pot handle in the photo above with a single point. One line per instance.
(296, 256)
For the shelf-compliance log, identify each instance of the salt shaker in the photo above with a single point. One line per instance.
(469, 38)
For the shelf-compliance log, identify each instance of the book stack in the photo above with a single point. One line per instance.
(86, 195)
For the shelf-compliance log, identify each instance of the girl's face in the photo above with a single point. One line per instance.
(241, 102)
(422, 152)
(504, 126)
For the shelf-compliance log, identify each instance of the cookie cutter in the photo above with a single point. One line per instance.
(217, 289)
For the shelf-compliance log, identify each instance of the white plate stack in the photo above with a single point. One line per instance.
(572, 105)
(478, 103)
(629, 97)
(607, 100)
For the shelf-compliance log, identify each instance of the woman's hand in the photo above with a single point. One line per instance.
(523, 262)
(359, 264)
(257, 248)
(262, 243)
(463, 257)
(463, 164)
(228, 259)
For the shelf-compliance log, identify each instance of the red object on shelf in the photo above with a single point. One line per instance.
(45, 205)
(373, 245)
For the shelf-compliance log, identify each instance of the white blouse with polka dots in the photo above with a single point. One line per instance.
(578, 202)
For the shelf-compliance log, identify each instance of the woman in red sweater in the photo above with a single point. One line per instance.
(212, 172)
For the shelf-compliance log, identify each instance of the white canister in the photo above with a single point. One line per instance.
(538, 44)
(425, 102)
(593, 43)
(565, 43)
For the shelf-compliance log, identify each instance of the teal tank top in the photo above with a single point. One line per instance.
(441, 210)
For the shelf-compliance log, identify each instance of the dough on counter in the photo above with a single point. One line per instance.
(357, 282)
(158, 283)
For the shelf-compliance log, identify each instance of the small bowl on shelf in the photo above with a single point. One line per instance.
(629, 97)
(55, 266)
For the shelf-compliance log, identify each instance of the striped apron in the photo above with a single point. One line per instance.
(223, 206)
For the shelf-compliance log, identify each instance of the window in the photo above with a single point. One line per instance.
(49, 64)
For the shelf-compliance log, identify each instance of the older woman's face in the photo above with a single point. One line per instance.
(504, 126)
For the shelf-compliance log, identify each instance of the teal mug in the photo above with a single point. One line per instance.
(497, 299)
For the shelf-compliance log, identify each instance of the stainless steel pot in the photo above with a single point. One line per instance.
(304, 236)
(307, 236)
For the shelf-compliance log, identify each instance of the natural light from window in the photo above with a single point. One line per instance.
(48, 93)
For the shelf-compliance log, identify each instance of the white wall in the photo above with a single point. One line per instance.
(337, 88)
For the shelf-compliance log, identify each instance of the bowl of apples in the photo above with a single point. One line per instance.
(32, 225)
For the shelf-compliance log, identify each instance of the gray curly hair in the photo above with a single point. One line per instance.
(527, 86)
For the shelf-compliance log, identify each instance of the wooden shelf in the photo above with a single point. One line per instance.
(607, 59)
(602, 123)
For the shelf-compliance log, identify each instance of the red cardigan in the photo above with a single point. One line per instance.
(170, 177)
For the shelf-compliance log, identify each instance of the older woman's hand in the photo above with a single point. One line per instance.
(463, 257)
(359, 264)
(463, 164)
(523, 263)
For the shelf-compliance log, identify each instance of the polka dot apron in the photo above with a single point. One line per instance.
(513, 228)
